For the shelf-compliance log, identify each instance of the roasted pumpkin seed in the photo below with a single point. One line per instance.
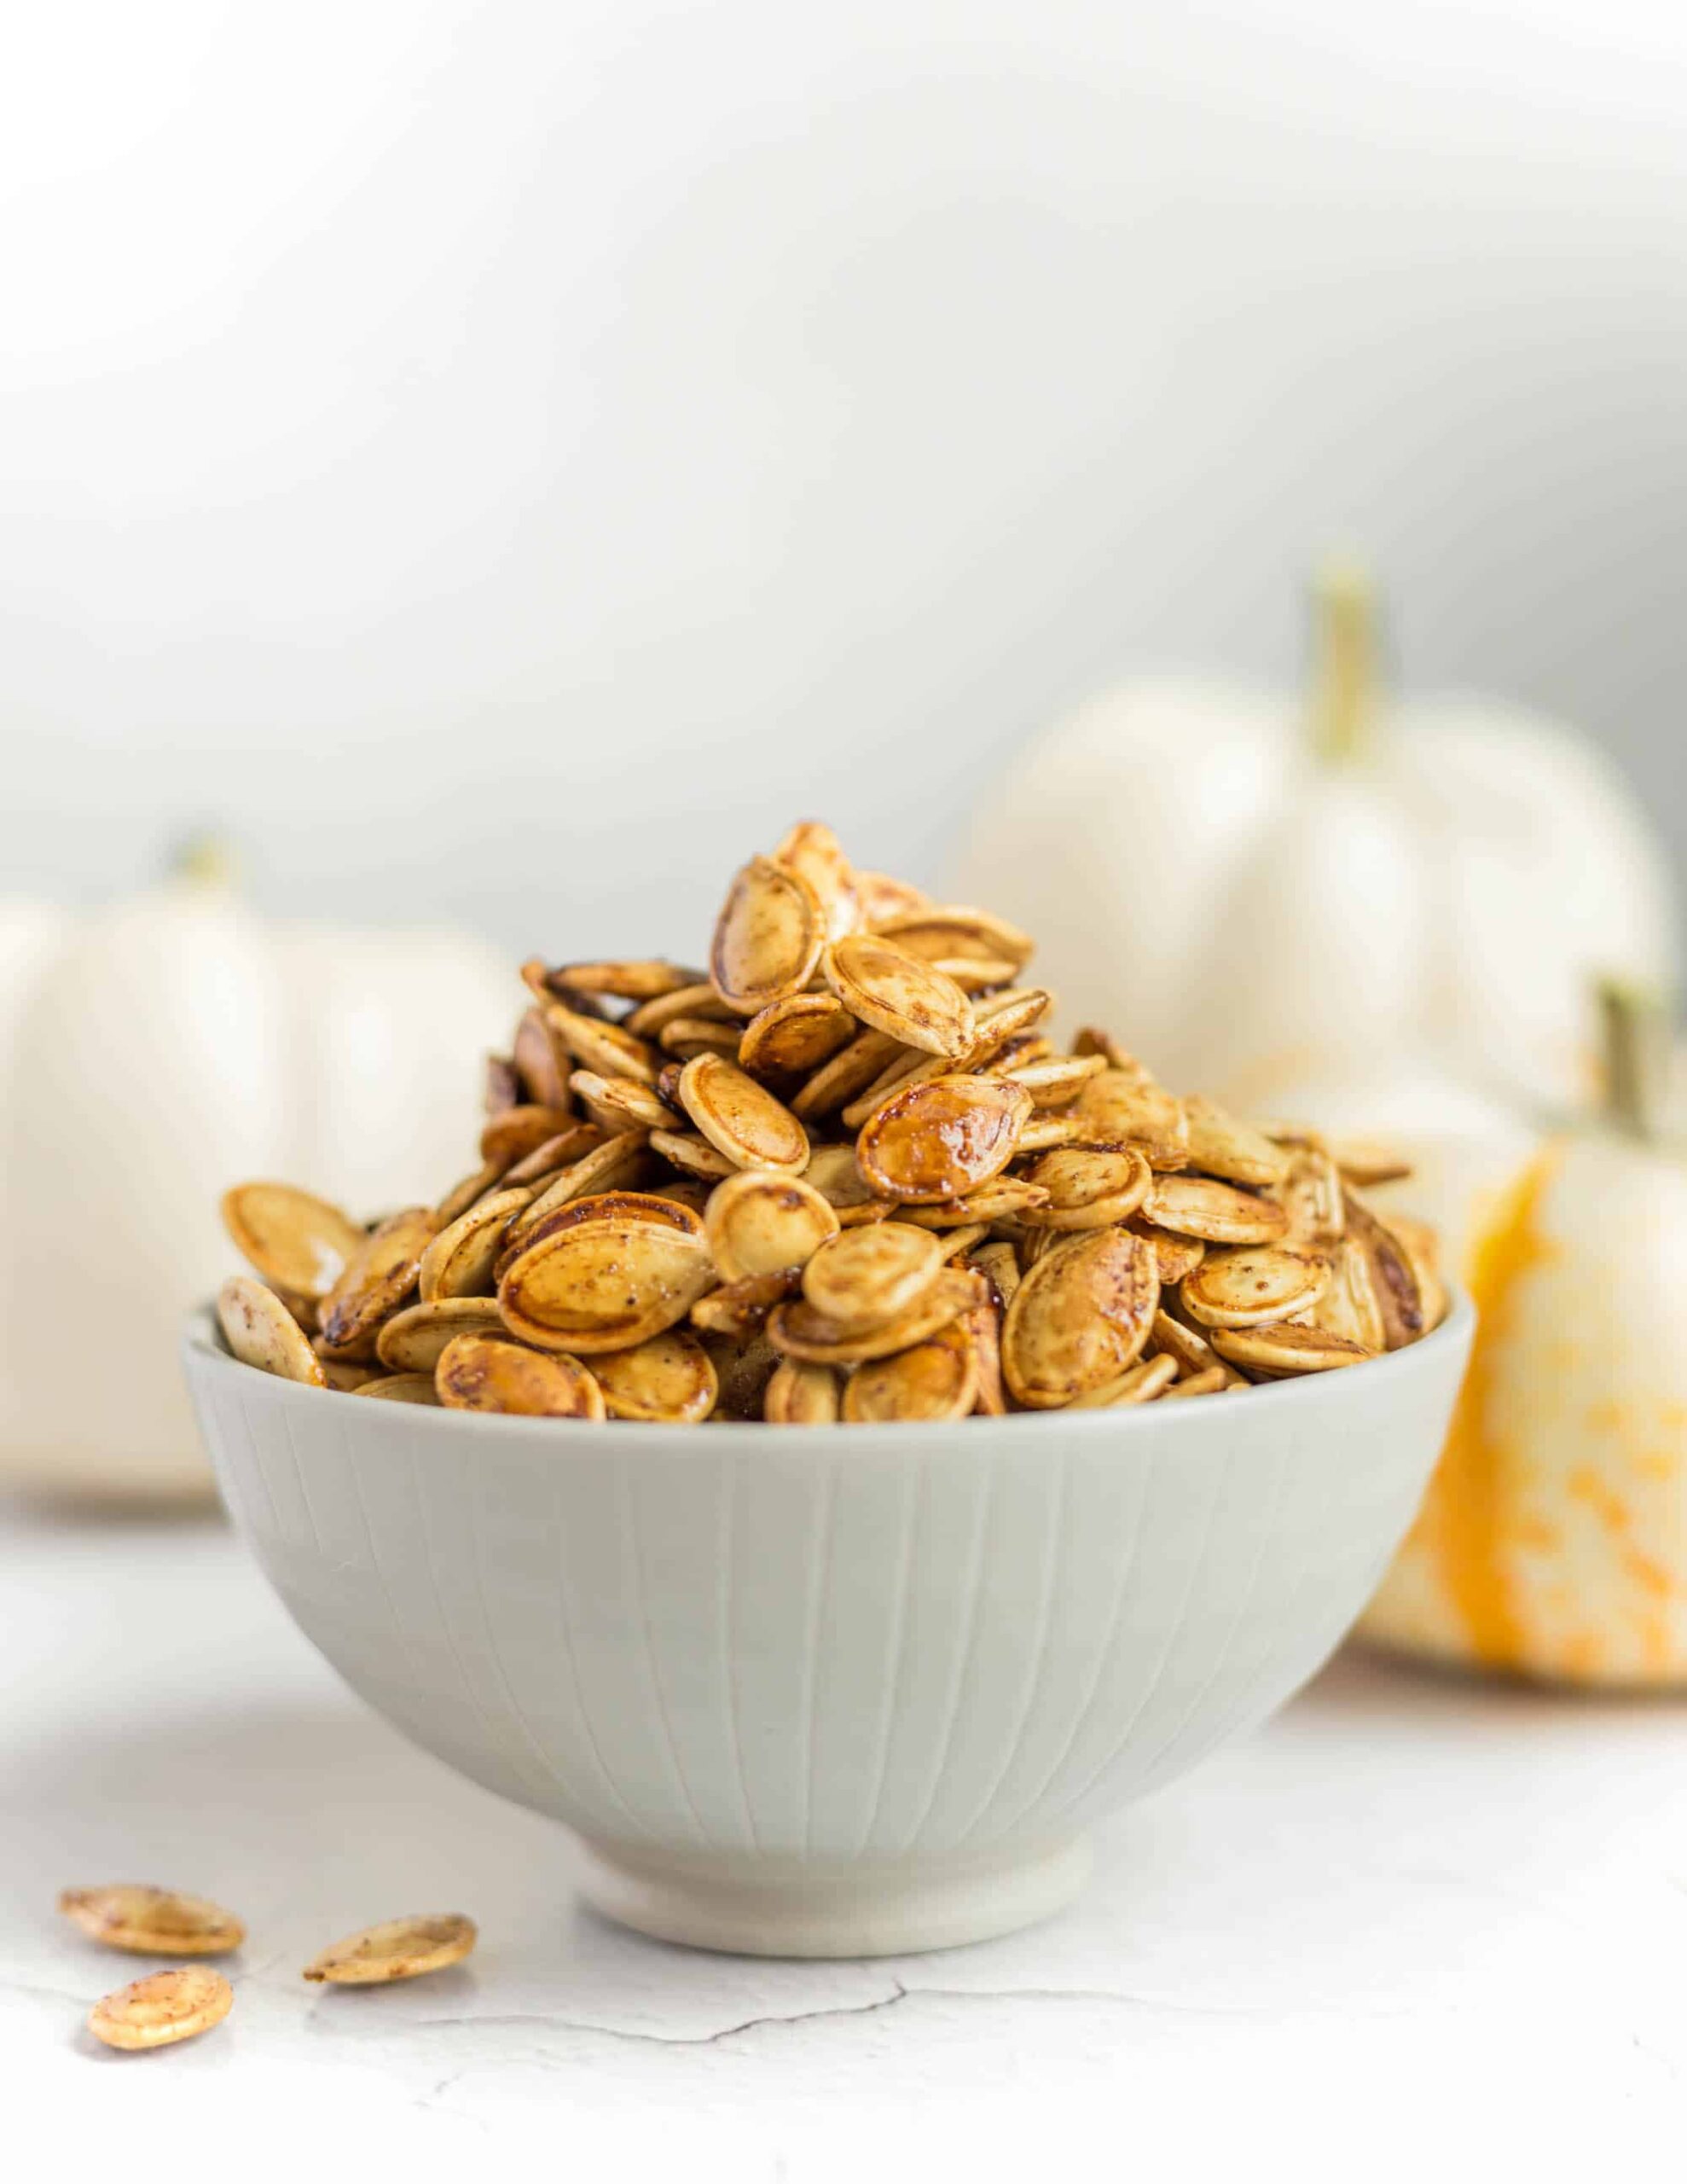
(812, 849)
(667, 1381)
(760, 1222)
(801, 1394)
(260, 1331)
(378, 1277)
(943, 1138)
(299, 1243)
(602, 1285)
(864, 1277)
(768, 937)
(459, 1260)
(1246, 1288)
(741, 1118)
(1218, 1213)
(398, 1948)
(479, 1370)
(1139, 1383)
(1281, 1349)
(1081, 1315)
(934, 1379)
(794, 1037)
(797, 1330)
(1088, 1190)
(411, 1340)
(162, 2008)
(149, 1921)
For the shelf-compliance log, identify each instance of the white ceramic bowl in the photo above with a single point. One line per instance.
(842, 1691)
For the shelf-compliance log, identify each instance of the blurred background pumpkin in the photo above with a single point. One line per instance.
(158, 1046)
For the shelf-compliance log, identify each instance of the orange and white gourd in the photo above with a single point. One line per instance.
(153, 1052)
(1553, 1539)
(1260, 891)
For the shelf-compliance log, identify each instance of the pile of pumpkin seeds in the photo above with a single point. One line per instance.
(845, 1172)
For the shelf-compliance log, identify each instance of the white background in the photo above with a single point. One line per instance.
(504, 457)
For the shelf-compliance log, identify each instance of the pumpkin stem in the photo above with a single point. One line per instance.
(206, 860)
(1342, 712)
(1637, 1052)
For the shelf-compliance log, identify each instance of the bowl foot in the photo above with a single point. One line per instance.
(883, 1911)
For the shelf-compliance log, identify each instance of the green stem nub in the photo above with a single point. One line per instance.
(1637, 1043)
(1344, 690)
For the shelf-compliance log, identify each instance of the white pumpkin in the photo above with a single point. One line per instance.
(1553, 1539)
(155, 1052)
(1255, 891)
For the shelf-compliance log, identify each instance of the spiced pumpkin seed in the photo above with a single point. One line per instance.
(943, 1138)
(622, 1103)
(794, 1037)
(801, 1394)
(667, 1381)
(1220, 1146)
(401, 1387)
(1088, 1190)
(934, 1379)
(1118, 1107)
(459, 1259)
(1082, 1314)
(299, 1243)
(645, 979)
(863, 1277)
(741, 1118)
(897, 992)
(513, 1134)
(1139, 1383)
(768, 938)
(602, 1285)
(937, 929)
(1282, 1349)
(162, 2008)
(377, 1278)
(479, 1370)
(811, 850)
(797, 1330)
(260, 1331)
(1218, 1213)
(148, 1921)
(849, 1071)
(760, 1222)
(397, 1948)
(1246, 1288)
(412, 1340)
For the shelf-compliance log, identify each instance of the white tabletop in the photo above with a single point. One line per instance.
(1414, 1923)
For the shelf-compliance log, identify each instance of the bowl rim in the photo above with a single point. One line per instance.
(202, 1335)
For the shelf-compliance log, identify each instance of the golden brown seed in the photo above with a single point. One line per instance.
(297, 1242)
(1056, 1080)
(794, 1037)
(621, 1103)
(882, 897)
(590, 1040)
(1088, 1190)
(1000, 1019)
(459, 1261)
(162, 2008)
(768, 937)
(833, 1172)
(1218, 1213)
(983, 1330)
(540, 1062)
(797, 1330)
(1277, 1351)
(935, 930)
(1363, 1161)
(1175, 1257)
(739, 1118)
(348, 1379)
(740, 1309)
(480, 1371)
(1082, 1314)
(1189, 1349)
(1220, 1146)
(1418, 1240)
(957, 1243)
(977, 974)
(1349, 1306)
(896, 992)
(399, 1948)
(942, 1139)
(850, 1070)
(1139, 1383)
(864, 1277)
(1118, 1108)
(517, 1131)
(411, 1340)
(1310, 1197)
(644, 980)
(260, 1331)
(402, 1387)
(657, 1207)
(801, 1394)
(619, 1161)
(701, 1001)
(149, 1921)
(1211, 1382)
(668, 1380)
(997, 1261)
(907, 1066)
(603, 1285)
(379, 1275)
(760, 1222)
(461, 1196)
(689, 1036)
(935, 1378)
(502, 1087)
(1247, 1288)
(692, 1153)
(1006, 1198)
(547, 1160)
(1050, 1128)
(812, 849)
(1395, 1279)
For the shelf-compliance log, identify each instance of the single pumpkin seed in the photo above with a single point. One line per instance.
(1277, 1351)
(260, 1331)
(397, 1948)
(864, 1277)
(896, 992)
(603, 1285)
(1218, 1213)
(299, 1243)
(759, 1221)
(768, 938)
(849, 1071)
(378, 1277)
(148, 1921)
(1139, 1383)
(934, 1379)
(794, 1037)
(942, 1139)
(459, 1260)
(479, 1370)
(801, 1394)
(811, 849)
(797, 1330)
(622, 1103)
(411, 1340)
(1235, 1152)
(402, 1387)
(667, 1381)
(1082, 1314)
(162, 2008)
(936, 930)
(741, 1118)
(1247, 1288)
(1088, 1190)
